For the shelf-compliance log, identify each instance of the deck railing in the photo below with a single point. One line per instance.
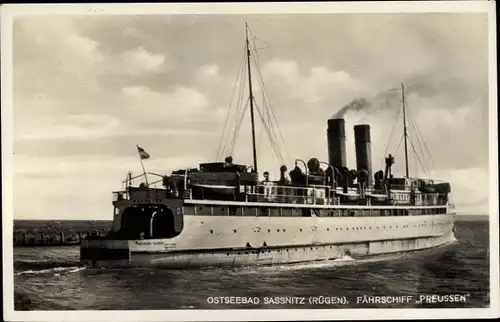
(315, 195)
(261, 197)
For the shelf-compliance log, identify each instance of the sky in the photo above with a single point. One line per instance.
(88, 89)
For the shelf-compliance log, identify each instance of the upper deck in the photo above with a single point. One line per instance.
(272, 192)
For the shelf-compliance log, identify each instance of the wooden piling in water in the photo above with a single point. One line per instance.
(53, 237)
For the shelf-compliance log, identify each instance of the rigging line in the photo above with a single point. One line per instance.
(417, 157)
(260, 138)
(268, 46)
(242, 82)
(237, 128)
(414, 159)
(266, 127)
(273, 143)
(225, 130)
(241, 92)
(239, 110)
(238, 113)
(253, 41)
(396, 119)
(425, 145)
(272, 132)
(421, 138)
(399, 145)
(418, 143)
(238, 75)
(412, 126)
(230, 103)
(257, 64)
(237, 117)
(273, 114)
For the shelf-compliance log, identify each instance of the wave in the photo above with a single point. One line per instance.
(54, 270)
(25, 265)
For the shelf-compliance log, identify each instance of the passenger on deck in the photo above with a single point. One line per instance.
(266, 177)
(228, 162)
(267, 185)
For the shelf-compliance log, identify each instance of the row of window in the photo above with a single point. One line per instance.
(258, 230)
(287, 250)
(307, 212)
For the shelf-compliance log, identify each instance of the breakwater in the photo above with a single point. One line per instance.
(56, 233)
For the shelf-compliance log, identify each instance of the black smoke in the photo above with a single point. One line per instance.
(387, 99)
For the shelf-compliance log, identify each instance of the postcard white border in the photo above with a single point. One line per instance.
(10, 11)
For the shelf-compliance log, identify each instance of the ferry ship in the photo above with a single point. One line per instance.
(221, 214)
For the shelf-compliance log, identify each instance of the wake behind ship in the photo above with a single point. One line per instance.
(221, 214)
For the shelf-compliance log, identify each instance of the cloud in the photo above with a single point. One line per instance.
(79, 187)
(470, 189)
(180, 103)
(106, 163)
(320, 83)
(70, 126)
(90, 88)
(139, 60)
(209, 73)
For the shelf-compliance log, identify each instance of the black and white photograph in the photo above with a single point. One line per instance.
(249, 161)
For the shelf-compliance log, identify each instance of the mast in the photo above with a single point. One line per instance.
(405, 132)
(251, 100)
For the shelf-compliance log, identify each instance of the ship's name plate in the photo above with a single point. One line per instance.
(155, 201)
(156, 242)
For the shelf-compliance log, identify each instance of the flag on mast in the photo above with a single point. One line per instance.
(143, 154)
